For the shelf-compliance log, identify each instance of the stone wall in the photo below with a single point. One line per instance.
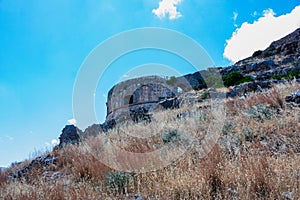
(144, 91)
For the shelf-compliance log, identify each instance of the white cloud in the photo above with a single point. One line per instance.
(259, 35)
(235, 15)
(72, 121)
(167, 7)
(254, 14)
(54, 142)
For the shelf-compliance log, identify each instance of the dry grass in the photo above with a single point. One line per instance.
(262, 160)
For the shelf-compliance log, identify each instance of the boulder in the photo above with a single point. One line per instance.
(170, 103)
(69, 135)
(92, 130)
(293, 98)
(38, 162)
(109, 124)
(139, 113)
(245, 88)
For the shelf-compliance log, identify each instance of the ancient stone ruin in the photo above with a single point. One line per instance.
(137, 94)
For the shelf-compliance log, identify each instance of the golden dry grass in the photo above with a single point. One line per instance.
(263, 161)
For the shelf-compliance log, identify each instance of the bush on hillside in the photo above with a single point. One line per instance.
(235, 78)
(172, 80)
(289, 76)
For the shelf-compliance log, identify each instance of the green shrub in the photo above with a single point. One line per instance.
(195, 88)
(271, 51)
(170, 136)
(201, 81)
(289, 76)
(235, 78)
(172, 80)
(277, 77)
(227, 128)
(247, 134)
(203, 116)
(205, 95)
(260, 112)
(118, 181)
(257, 53)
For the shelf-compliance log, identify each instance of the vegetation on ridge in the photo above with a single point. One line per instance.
(257, 157)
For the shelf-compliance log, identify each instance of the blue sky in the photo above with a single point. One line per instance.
(43, 44)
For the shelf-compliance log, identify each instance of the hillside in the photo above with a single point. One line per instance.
(241, 141)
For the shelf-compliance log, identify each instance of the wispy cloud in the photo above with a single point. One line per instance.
(259, 34)
(54, 142)
(235, 16)
(254, 14)
(167, 7)
(72, 121)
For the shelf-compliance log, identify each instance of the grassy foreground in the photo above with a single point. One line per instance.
(257, 156)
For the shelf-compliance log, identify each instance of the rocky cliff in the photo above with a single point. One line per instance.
(279, 59)
(136, 98)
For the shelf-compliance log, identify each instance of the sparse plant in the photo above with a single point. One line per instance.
(257, 53)
(289, 76)
(118, 181)
(256, 157)
(260, 112)
(236, 78)
(170, 136)
(205, 95)
(248, 134)
(172, 80)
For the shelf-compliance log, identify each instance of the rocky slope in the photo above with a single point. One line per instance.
(257, 156)
(279, 63)
(280, 58)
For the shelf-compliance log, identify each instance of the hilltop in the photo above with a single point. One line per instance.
(248, 149)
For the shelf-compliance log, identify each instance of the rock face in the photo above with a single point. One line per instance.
(135, 98)
(70, 135)
(138, 114)
(92, 131)
(294, 98)
(280, 58)
(47, 161)
(257, 86)
(134, 93)
(170, 103)
(108, 124)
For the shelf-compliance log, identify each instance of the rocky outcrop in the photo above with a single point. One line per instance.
(140, 113)
(144, 91)
(249, 68)
(293, 98)
(108, 124)
(135, 98)
(70, 135)
(92, 131)
(279, 58)
(47, 161)
(170, 103)
(257, 86)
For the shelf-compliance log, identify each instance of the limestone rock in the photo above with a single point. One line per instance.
(293, 98)
(69, 135)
